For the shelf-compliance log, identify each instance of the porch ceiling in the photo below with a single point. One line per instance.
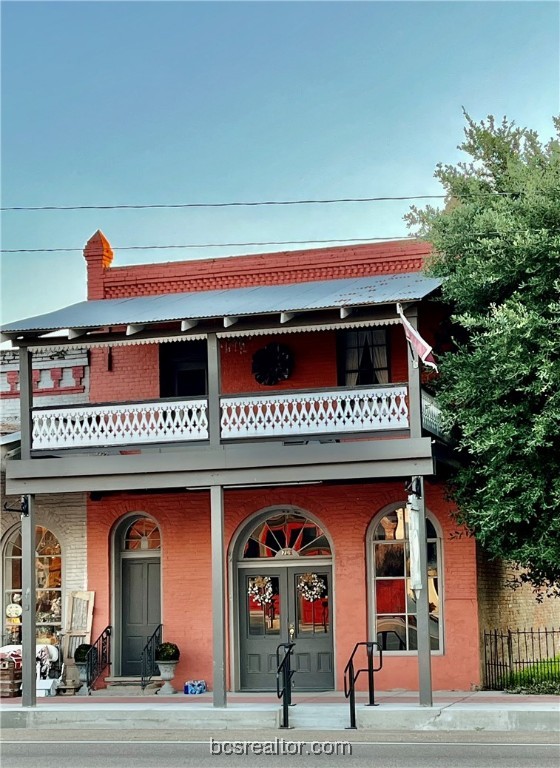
(283, 301)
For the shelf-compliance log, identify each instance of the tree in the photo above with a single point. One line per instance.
(497, 247)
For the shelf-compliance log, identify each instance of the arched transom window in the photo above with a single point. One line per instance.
(142, 534)
(48, 570)
(287, 534)
(394, 600)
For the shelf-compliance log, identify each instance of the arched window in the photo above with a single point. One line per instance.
(141, 535)
(393, 600)
(287, 534)
(48, 570)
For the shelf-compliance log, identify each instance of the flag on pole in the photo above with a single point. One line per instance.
(416, 342)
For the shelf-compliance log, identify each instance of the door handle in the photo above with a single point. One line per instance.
(291, 632)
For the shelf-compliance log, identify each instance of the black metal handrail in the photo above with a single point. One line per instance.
(350, 677)
(98, 658)
(285, 672)
(148, 659)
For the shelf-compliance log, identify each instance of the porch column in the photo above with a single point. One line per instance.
(416, 501)
(422, 605)
(28, 580)
(25, 400)
(214, 414)
(28, 583)
(219, 695)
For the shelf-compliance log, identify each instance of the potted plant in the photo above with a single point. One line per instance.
(80, 659)
(167, 656)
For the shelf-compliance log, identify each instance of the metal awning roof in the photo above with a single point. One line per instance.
(232, 303)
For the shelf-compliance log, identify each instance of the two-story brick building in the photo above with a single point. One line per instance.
(250, 427)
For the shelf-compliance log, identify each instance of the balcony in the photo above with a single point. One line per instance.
(334, 413)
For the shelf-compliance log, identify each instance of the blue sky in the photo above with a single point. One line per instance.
(177, 102)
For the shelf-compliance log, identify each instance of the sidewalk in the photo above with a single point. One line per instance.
(397, 711)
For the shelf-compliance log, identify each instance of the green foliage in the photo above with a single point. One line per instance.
(544, 687)
(538, 674)
(167, 652)
(497, 246)
(81, 652)
(540, 678)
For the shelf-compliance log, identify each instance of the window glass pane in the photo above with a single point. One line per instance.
(393, 526)
(142, 534)
(410, 598)
(391, 633)
(312, 590)
(46, 542)
(287, 534)
(390, 595)
(389, 559)
(48, 606)
(430, 530)
(263, 605)
(412, 634)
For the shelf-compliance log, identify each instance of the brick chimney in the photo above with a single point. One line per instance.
(98, 255)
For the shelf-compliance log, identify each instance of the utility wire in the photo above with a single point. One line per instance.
(233, 204)
(211, 245)
(263, 242)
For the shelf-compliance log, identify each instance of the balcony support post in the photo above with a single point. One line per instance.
(214, 415)
(28, 585)
(26, 399)
(422, 604)
(219, 695)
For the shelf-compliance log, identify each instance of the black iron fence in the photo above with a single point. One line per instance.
(518, 658)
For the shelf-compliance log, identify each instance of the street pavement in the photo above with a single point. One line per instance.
(286, 749)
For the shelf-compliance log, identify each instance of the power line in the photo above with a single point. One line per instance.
(328, 241)
(233, 204)
(212, 245)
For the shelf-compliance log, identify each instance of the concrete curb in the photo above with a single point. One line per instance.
(131, 717)
(460, 718)
(388, 717)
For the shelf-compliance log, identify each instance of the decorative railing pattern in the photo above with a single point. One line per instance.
(431, 415)
(294, 414)
(98, 657)
(284, 414)
(100, 425)
(148, 658)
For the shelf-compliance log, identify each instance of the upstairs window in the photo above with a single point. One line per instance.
(183, 367)
(363, 357)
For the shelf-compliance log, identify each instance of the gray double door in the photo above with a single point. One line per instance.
(288, 615)
(141, 609)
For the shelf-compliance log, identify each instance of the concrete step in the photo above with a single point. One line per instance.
(131, 680)
(330, 717)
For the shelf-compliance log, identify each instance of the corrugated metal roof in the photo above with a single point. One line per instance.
(233, 302)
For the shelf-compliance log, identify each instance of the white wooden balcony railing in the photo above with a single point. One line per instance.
(315, 413)
(109, 425)
(286, 414)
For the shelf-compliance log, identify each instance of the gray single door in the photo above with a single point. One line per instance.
(141, 609)
(289, 615)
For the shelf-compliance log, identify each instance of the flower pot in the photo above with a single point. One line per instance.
(167, 673)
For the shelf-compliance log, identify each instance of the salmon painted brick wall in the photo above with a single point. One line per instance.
(346, 512)
(107, 282)
(133, 373)
(124, 373)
